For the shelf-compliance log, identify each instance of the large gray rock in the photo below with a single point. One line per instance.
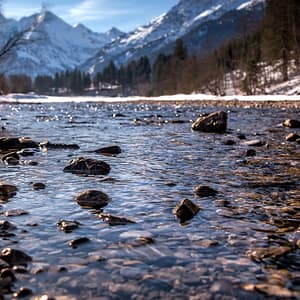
(87, 166)
(92, 199)
(214, 122)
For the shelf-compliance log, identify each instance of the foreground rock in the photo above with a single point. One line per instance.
(11, 143)
(92, 199)
(215, 122)
(186, 210)
(114, 220)
(7, 191)
(205, 191)
(111, 150)
(14, 257)
(87, 166)
(291, 123)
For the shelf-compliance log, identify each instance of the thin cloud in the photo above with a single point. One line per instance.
(89, 10)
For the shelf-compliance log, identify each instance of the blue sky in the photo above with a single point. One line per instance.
(99, 15)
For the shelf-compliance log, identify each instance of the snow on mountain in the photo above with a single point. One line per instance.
(48, 44)
(161, 33)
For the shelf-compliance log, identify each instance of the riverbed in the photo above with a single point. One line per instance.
(215, 255)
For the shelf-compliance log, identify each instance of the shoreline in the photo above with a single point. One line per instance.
(255, 101)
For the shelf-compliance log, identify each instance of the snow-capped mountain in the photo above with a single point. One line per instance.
(45, 44)
(191, 20)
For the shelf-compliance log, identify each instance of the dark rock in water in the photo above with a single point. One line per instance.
(87, 166)
(14, 155)
(47, 145)
(14, 257)
(7, 191)
(269, 253)
(10, 143)
(205, 191)
(26, 152)
(9, 160)
(7, 273)
(79, 241)
(250, 152)
(68, 226)
(241, 136)
(255, 143)
(38, 186)
(186, 210)
(22, 292)
(291, 123)
(114, 220)
(111, 150)
(5, 226)
(292, 137)
(229, 143)
(215, 122)
(92, 199)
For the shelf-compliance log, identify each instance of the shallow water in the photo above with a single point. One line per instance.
(161, 163)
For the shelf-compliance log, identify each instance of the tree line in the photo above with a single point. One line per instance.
(270, 52)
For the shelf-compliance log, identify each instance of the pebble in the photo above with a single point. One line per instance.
(186, 210)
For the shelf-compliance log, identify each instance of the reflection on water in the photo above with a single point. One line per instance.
(161, 163)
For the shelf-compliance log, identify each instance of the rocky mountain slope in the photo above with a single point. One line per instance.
(203, 25)
(44, 44)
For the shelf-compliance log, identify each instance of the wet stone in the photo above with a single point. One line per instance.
(269, 253)
(205, 191)
(38, 186)
(46, 145)
(87, 166)
(7, 191)
(22, 293)
(250, 152)
(92, 199)
(26, 152)
(291, 123)
(186, 210)
(214, 122)
(6, 226)
(68, 226)
(14, 257)
(111, 150)
(75, 243)
(114, 220)
(292, 137)
(229, 142)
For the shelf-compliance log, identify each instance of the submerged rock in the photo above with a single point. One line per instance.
(269, 253)
(114, 220)
(87, 166)
(291, 123)
(11, 143)
(22, 292)
(205, 191)
(6, 226)
(14, 257)
(292, 137)
(38, 186)
(111, 150)
(15, 213)
(7, 191)
(250, 152)
(92, 199)
(186, 210)
(75, 243)
(68, 226)
(45, 145)
(215, 122)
